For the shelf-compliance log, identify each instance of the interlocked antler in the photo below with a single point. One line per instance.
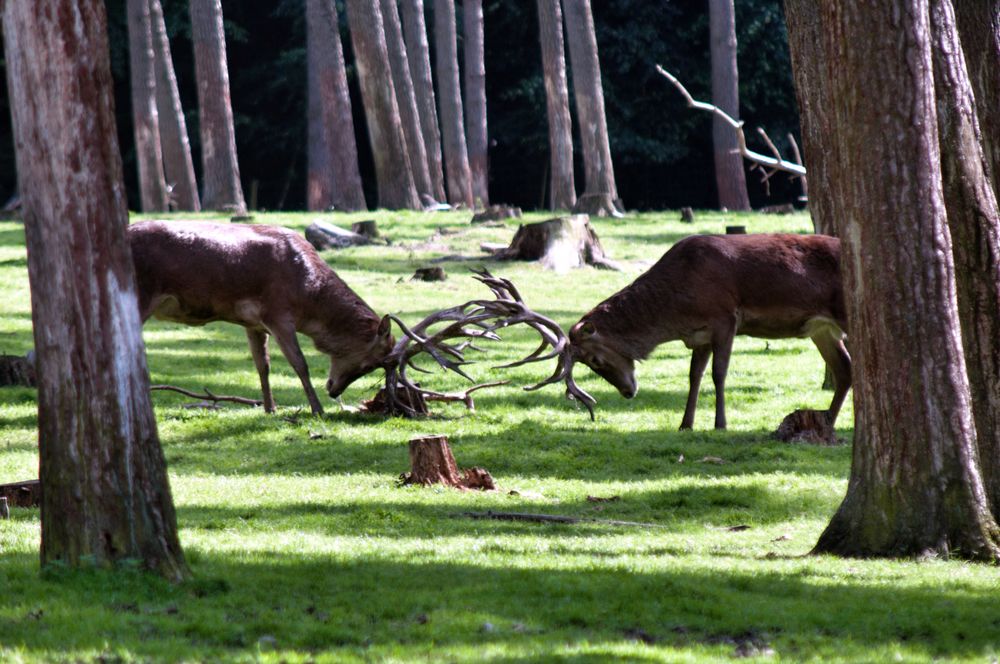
(472, 321)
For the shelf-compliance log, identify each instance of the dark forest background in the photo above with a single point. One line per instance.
(662, 150)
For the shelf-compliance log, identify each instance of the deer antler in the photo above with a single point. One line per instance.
(472, 321)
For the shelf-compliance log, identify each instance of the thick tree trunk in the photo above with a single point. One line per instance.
(333, 178)
(221, 188)
(730, 178)
(974, 222)
(805, 41)
(475, 99)
(105, 495)
(979, 29)
(145, 123)
(597, 166)
(456, 154)
(562, 190)
(419, 58)
(406, 98)
(385, 130)
(915, 486)
(178, 166)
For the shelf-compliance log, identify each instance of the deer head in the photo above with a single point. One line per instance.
(356, 360)
(590, 347)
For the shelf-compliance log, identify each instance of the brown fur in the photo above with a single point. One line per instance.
(267, 279)
(708, 288)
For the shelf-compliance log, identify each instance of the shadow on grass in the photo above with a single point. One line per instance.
(372, 607)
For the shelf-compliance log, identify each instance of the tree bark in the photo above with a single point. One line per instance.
(105, 494)
(475, 99)
(915, 487)
(145, 123)
(406, 98)
(559, 244)
(562, 190)
(597, 166)
(974, 222)
(730, 178)
(979, 30)
(805, 41)
(178, 166)
(419, 58)
(385, 130)
(333, 178)
(456, 154)
(221, 188)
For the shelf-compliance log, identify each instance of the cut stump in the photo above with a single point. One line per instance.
(687, 215)
(16, 370)
(22, 494)
(599, 205)
(323, 235)
(807, 426)
(368, 229)
(431, 462)
(559, 244)
(429, 274)
(496, 213)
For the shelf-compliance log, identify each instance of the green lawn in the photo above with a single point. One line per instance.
(304, 547)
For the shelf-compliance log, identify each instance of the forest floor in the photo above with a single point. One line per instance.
(304, 547)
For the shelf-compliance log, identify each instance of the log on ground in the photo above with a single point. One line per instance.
(22, 494)
(559, 244)
(324, 235)
(16, 370)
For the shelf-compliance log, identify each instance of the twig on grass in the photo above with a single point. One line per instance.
(208, 396)
(552, 518)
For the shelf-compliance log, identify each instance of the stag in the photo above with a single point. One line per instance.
(707, 289)
(270, 281)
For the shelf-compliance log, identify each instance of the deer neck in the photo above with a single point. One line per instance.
(336, 319)
(635, 320)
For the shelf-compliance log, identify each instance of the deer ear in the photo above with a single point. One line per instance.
(384, 326)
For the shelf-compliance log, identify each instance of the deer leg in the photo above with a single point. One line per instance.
(835, 354)
(699, 360)
(722, 348)
(261, 358)
(289, 344)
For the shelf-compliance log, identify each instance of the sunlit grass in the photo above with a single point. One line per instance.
(305, 548)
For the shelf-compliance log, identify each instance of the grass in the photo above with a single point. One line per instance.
(304, 548)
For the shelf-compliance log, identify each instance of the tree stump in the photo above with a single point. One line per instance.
(16, 371)
(807, 426)
(431, 462)
(324, 235)
(559, 244)
(368, 229)
(736, 230)
(22, 494)
(429, 274)
(496, 213)
(687, 215)
(598, 205)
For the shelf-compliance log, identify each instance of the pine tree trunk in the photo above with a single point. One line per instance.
(105, 494)
(178, 166)
(419, 58)
(456, 154)
(974, 222)
(597, 166)
(475, 99)
(915, 486)
(562, 190)
(805, 41)
(730, 178)
(979, 29)
(385, 130)
(221, 188)
(406, 98)
(333, 178)
(145, 123)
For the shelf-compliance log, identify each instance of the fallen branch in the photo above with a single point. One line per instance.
(552, 518)
(776, 163)
(208, 396)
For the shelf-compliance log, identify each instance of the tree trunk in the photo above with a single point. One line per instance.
(419, 58)
(406, 98)
(915, 487)
(456, 155)
(974, 222)
(178, 166)
(333, 178)
(432, 462)
(475, 99)
(562, 190)
(221, 188)
(105, 494)
(979, 29)
(805, 41)
(597, 166)
(730, 178)
(385, 130)
(145, 123)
